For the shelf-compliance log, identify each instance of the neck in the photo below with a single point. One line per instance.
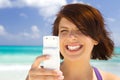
(77, 70)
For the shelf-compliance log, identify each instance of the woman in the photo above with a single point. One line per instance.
(83, 36)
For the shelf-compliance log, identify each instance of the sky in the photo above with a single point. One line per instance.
(25, 22)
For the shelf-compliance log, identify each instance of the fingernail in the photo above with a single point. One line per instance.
(47, 56)
(61, 77)
(58, 72)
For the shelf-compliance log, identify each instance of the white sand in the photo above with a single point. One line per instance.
(19, 72)
(12, 75)
(13, 72)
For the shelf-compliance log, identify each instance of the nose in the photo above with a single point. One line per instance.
(72, 34)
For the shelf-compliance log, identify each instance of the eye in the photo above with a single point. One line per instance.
(62, 31)
(78, 32)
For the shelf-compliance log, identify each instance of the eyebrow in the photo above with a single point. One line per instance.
(63, 27)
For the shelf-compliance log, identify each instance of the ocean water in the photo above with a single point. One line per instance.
(26, 54)
(20, 58)
(19, 54)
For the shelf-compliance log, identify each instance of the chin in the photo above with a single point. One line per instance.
(73, 58)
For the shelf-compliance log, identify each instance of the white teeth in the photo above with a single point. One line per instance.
(73, 47)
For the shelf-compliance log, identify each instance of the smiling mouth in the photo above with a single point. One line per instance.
(74, 48)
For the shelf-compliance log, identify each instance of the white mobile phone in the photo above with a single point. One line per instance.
(51, 48)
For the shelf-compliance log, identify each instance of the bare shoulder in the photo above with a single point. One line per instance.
(109, 76)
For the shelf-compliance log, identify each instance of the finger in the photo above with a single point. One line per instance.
(47, 77)
(38, 60)
(42, 66)
(42, 71)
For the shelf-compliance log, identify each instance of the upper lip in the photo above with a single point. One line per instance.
(74, 46)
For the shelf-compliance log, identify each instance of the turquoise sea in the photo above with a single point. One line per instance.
(20, 58)
(19, 54)
(26, 54)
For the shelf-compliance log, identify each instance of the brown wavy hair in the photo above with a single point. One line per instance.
(90, 22)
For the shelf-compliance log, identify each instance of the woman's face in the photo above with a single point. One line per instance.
(74, 45)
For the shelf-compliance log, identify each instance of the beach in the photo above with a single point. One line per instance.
(14, 72)
(16, 61)
(19, 72)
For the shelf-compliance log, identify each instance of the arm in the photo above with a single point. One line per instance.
(109, 76)
(36, 72)
(27, 78)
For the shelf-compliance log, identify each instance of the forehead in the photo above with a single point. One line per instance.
(64, 23)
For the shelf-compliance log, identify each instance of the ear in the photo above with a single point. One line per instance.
(95, 42)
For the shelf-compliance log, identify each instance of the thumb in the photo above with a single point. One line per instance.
(38, 60)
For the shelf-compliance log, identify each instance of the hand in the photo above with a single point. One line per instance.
(38, 73)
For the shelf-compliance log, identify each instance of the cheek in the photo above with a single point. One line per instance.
(61, 44)
(89, 44)
(89, 41)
